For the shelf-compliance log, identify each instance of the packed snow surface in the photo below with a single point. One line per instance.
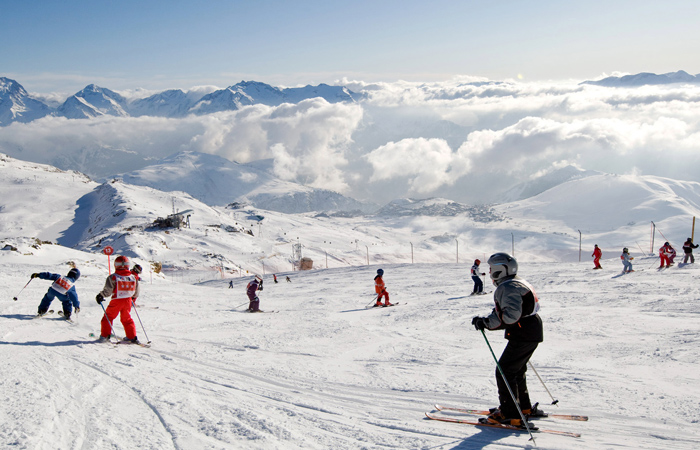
(324, 372)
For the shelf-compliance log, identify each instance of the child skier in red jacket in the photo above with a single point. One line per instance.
(380, 289)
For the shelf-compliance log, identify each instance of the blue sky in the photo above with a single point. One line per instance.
(62, 46)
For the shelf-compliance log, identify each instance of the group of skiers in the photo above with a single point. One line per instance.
(666, 254)
(122, 286)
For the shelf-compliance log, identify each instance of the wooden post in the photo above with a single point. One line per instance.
(692, 234)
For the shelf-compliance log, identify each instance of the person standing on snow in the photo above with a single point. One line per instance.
(597, 254)
(663, 255)
(516, 313)
(688, 247)
(476, 277)
(671, 253)
(252, 289)
(62, 288)
(123, 286)
(380, 289)
(626, 258)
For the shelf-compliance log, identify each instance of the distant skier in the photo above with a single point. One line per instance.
(253, 287)
(597, 254)
(63, 288)
(663, 255)
(671, 253)
(274, 277)
(123, 286)
(476, 277)
(688, 247)
(516, 313)
(626, 258)
(230, 284)
(289, 279)
(380, 289)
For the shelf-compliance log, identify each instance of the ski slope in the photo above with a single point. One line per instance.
(326, 373)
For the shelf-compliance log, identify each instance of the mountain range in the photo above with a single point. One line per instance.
(16, 105)
(646, 78)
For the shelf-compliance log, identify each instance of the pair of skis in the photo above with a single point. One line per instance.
(371, 306)
(120, 341)
(60, 313)
(478, 423)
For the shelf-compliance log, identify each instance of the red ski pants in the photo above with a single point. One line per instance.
(119, 307)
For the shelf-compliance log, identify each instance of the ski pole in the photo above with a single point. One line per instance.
(20, 291)
(108, 321)
(138, 317)
(505, 381)
(372, 302)
(554, 402)
(248, 302)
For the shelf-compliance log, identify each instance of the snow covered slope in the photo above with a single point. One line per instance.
(38, 200)
(325, 373)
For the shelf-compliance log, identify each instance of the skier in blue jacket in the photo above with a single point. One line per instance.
(63, 288)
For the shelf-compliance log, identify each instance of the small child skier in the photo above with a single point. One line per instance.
(597, 254)
(252, 288)
(664, 255)
(626, 258)
(478, 284)
(62, 288)
(123, 286)
(380, 289)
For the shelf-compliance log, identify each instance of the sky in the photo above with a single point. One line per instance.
(62, 46)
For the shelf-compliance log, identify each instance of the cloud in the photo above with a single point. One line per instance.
(464, 138)
(314, 132)
(424, 163)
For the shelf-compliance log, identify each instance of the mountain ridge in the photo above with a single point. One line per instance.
(16, 105)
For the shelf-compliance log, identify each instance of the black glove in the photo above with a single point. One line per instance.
(479, 323)
(99, 298)
(35, 275)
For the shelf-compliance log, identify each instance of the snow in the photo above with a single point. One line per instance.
(324, 372)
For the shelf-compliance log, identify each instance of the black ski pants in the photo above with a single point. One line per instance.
(513, 362)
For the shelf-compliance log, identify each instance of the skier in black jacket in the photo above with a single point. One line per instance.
(516, 313)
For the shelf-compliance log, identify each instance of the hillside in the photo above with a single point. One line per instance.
(611, 211)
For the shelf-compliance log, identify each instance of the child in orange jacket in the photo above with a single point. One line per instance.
(380, 289)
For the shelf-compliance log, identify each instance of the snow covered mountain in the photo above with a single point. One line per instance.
(93, 101)
(217, 181)
(253, 92)
(547, 181)
(646, 78)
(170, 103)
(16, 105)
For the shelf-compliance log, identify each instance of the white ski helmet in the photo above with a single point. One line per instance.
(502, 265)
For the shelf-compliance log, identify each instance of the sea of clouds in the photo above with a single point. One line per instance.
(466, 139)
